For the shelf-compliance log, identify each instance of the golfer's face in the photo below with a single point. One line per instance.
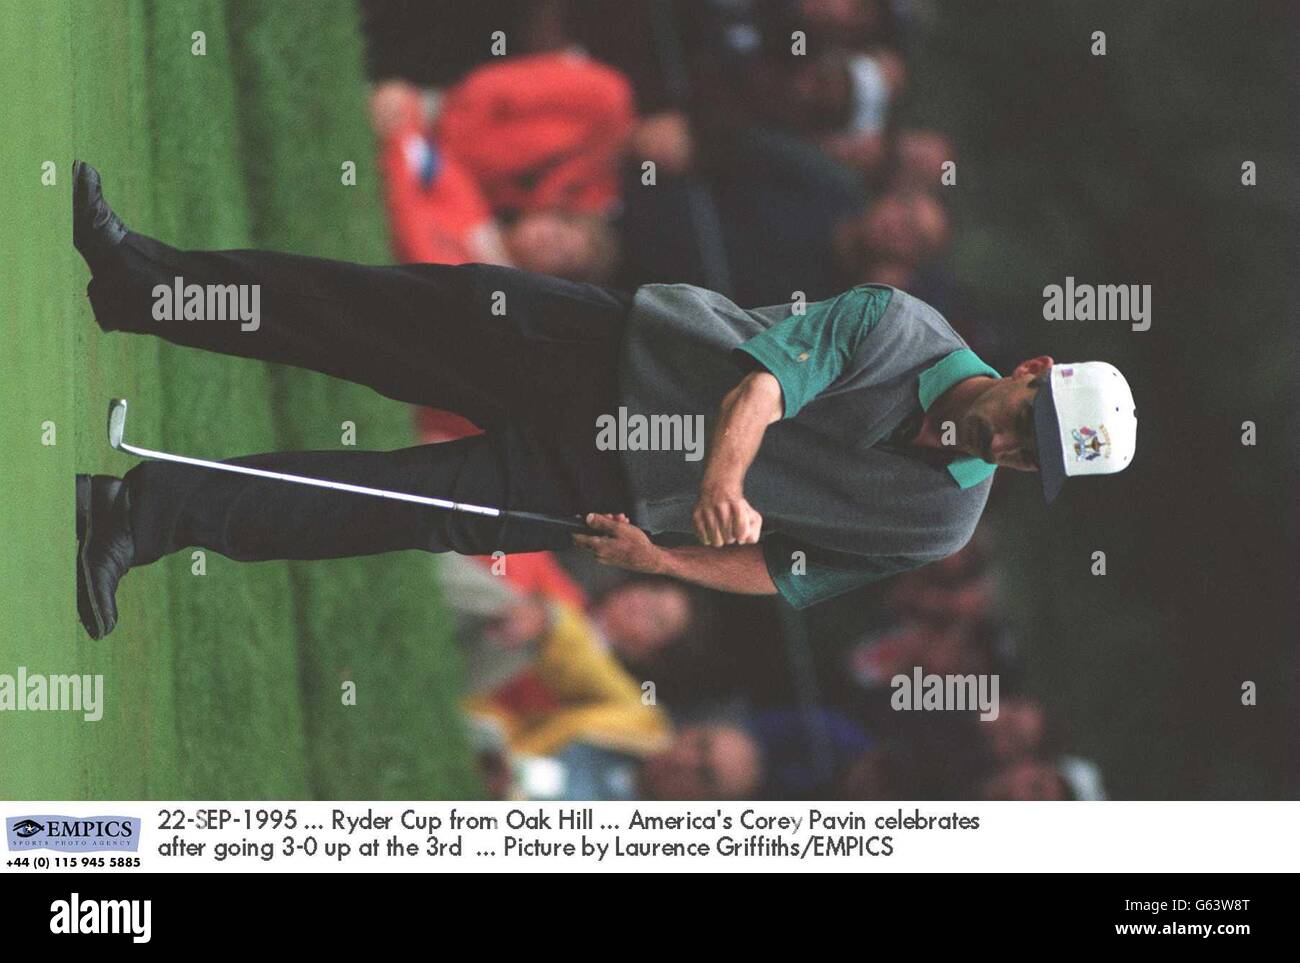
(999, 428)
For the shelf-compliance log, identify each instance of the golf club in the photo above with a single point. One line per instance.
(116, 440)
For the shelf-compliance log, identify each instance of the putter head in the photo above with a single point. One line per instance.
(116, 422)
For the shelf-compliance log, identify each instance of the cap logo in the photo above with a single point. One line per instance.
(1091, 443)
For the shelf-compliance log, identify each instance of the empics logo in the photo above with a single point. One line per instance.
(74, 834)
(76, 916)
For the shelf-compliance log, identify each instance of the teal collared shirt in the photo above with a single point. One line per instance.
(807, 351)
(966, 470)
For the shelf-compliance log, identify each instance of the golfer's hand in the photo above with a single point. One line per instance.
(723, 517)
(620, 543)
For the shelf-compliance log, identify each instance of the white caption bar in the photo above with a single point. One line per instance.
(640, 837)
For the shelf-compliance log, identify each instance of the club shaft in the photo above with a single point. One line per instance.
(442, 503)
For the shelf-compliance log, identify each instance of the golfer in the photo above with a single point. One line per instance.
(850, 438)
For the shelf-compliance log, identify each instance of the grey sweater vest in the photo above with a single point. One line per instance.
(817, 478)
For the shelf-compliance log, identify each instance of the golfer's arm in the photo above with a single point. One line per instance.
(736, 568)
(743, 417)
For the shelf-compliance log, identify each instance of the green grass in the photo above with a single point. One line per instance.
(224, 685)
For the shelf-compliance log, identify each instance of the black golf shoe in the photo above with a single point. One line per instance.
(96, 230)
(105, 549)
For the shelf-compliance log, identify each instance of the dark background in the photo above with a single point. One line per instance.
(1127, 168)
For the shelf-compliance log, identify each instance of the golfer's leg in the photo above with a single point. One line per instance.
(410, 332)
(562, 341)
(255, 519)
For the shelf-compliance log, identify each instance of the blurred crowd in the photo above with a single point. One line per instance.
(753, 147)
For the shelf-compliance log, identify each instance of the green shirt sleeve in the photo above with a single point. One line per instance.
(821, 573)
(807, 352)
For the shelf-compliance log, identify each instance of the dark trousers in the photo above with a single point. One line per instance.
(531, 359)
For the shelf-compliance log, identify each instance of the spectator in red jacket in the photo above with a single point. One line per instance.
(541, 133)
(436, 212)
(439, 214)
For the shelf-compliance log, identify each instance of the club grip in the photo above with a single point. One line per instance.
(571, 524)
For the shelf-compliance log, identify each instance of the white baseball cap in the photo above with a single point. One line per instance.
(1085, 423)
